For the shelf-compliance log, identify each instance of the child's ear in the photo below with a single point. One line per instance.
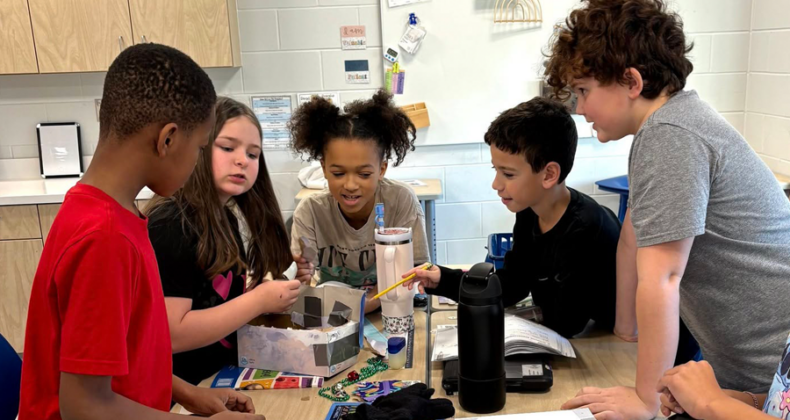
(551, 175)
(384, 165)
(165, 139)
(634, 82)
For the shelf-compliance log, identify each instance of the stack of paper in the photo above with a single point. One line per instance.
(521, 337)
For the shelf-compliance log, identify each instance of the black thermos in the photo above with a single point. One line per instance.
(481, 341)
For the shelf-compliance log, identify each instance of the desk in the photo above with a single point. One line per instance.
(300, 404)
(602, 360)
(427, 195)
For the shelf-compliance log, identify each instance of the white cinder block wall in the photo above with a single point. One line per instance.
(767, 109)
(292, 46)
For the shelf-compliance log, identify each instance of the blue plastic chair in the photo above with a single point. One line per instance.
(498, 245)
(11, 374)
(617, 185)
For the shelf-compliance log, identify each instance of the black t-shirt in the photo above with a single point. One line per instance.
(176, 253)
(570, 269)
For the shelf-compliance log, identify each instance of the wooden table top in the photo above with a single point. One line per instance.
(431, 191)
(301, 404)
(602, 360)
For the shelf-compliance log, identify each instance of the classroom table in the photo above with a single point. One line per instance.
(427, 194)
(301, 404)
(602, 360)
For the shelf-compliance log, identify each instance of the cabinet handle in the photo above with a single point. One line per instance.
(120, 42)
(142, 38)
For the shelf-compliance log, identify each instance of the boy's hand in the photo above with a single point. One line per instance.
(425, 278)
(304, 270)
(618, 403)
(690, 388)
(210, 401)
(277, 296)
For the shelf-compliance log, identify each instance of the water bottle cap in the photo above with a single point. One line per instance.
(395, 344)
(379, 209)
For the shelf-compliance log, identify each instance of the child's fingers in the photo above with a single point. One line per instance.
(293, 285)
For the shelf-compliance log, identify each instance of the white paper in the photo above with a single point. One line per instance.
(333, 97)
(273, 112)
(416, 183)
(447, 301)
(579, 414)
(521, 337)
(396, 3)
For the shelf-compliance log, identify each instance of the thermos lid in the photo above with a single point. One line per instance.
(393, 236)
(395, 344)
(480, 286)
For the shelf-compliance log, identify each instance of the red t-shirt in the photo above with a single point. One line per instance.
(96, 308)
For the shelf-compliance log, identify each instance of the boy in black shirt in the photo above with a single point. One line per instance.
(565, 243)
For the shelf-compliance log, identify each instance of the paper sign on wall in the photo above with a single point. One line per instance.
(357, 72)
(333, 97)
(353, 37)
(396, 3)
(273, 112)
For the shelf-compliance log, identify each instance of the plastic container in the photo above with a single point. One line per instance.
(498, 245)
(396, 352)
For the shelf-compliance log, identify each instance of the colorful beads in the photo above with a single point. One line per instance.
(338, 394)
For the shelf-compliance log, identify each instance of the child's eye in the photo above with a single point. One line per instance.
(252, 156)
(365, 176)
(226, 149)
(337, 174)
(508, 176)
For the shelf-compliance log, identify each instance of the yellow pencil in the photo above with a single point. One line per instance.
(427, 266)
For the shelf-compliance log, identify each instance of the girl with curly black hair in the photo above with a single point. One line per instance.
(354, 148)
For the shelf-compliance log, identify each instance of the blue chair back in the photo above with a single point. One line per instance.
(10, 380)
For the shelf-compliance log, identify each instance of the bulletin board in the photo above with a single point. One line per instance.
(469, 69)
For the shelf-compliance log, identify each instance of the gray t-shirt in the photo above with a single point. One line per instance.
(692, 174)
(346, 254)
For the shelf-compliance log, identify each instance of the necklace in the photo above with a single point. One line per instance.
(336, 391)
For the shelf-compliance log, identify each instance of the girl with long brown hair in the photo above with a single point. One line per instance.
(203, 264)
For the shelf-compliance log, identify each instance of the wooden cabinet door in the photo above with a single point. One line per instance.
(19, 260)
(47, 213)
(199, 28)
(17, 53)
(79, 35)
(19, 222)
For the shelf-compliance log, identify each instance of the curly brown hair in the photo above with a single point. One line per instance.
(318, 122)
(606, 37)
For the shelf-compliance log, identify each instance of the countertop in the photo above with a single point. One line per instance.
(43, 191)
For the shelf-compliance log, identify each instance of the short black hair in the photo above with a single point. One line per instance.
(541, 129)
(318, 122)
(153, 83)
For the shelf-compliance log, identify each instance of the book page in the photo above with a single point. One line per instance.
(518, 330)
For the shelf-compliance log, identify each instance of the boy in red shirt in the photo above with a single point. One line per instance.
(97, 343)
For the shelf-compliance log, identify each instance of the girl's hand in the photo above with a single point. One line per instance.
(425, 278)
(277, 296)
(210, 401)
(690, 388)
(305, 270)
(230, 415)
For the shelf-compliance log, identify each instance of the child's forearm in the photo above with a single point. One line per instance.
(200, 328)
(84, 397)
(734, 409)
(625, 325)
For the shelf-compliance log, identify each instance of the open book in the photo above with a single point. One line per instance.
(521, 337)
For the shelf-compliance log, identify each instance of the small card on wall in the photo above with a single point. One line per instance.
(332, 97)
(357, 72)
(353, 37)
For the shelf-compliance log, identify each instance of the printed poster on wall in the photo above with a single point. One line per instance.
(273, 112)
(353, 37)
(357, 72)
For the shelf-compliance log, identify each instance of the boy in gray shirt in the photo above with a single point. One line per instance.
(704, 208)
